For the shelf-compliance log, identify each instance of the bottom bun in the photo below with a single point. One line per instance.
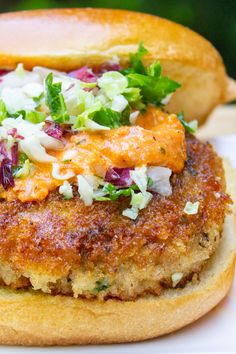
(33, 318)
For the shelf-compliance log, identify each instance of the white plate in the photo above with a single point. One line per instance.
(214, 333)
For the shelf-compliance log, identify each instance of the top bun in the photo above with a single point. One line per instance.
(69, 38)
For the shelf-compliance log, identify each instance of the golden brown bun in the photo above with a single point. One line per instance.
(68, 38)
(31, 318)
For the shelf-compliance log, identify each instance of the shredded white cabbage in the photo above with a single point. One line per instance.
(94, 181)
(69, 155)
(139, 176)
(167, 99)
(16, 100)
(34, 150)
(140, 200)
(133, 117)
(176, 277)
(131, 213)
(93, 126)
(33, 90)
(56, 173)
(43, 72)
(24, 170)
(113, 83)
(22, 90)
(35, 139)
(119, 103)
(160, 177)
(85, 190)
(16, 80)
(20, 71)
(191, 208)
(66, 190)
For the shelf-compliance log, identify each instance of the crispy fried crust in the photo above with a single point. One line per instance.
(67, 247)
(68, 38)
(30, 318)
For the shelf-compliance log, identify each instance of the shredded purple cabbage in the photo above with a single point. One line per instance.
(84, 74)
(119, 176)
(3, 150)
(15, 154)
(4, 72)
(6, 175)
(109, 67)
(54, 130)
(13, 132)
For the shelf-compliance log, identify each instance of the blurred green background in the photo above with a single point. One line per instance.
(214, 19)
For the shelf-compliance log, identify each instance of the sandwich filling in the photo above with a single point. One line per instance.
(102, 192)
(101, 130)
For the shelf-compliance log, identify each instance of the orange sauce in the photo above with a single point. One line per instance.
(158, 139)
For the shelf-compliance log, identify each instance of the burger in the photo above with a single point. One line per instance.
(116, 222)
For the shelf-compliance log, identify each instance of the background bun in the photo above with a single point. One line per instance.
(68, 38)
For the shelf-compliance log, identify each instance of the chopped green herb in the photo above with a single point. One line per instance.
(136, 64)
(3, 111)
(55, 100)
(153, 89)
(114, 193)
(101, 285)
(190, 127)
(153, 86)
(108, 118)
(155, 69)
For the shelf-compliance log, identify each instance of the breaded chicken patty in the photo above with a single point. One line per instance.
(66, 247)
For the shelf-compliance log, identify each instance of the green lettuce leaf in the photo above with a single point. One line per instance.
(55, 100)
